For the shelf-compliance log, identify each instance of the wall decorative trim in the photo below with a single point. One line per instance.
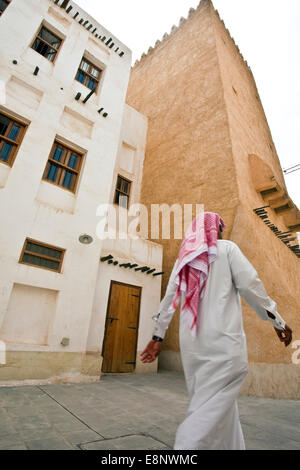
(109, 42)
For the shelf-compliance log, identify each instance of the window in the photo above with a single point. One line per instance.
(41, 255)
(11, 134)
(3, 5)
(122, 192)
(47, 44)
(88, 75)
(63, 167)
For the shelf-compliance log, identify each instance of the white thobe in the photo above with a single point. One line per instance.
(215, 364)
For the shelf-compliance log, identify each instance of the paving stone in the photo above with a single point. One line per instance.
(6, 429)
(32, 391)
(49, 444)
(29, 423)
(134, 442)
(110, 431)
(69, 426)
(3, 413)
(273, 426)
(81, 437)
(16, 447)
(10, 440)
(23, 412)
(127, 410)
(55, 416)
(167, 436)
(257, 444)
(38, 434)
(45, 402)
(161, 434)
(15, 401)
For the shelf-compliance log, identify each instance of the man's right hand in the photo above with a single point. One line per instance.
(151, 351)
(284, 335)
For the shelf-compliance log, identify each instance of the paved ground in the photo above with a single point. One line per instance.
(127, 412)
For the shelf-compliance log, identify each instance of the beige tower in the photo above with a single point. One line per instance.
(209, 143)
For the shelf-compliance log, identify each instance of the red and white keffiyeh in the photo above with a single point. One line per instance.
(198, 250)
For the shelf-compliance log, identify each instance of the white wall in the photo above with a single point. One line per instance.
(34, 208)
(131, 152)
(31, 324)
(143, 253)
(129, 163)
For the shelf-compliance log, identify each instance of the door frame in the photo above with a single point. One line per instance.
(112, 282)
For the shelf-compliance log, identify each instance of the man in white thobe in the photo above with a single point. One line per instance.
(215, 365)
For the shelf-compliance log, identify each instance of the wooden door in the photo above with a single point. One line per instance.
(121, 327)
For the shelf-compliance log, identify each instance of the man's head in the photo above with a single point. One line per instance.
(202, 229)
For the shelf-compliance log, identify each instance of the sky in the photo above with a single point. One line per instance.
(267, 33)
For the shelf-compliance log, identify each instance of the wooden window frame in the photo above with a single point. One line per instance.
(16, 143)
(63, 166)
(122, 192)
(36, 242)
(89, 75)
(47, 43)
(1, 12)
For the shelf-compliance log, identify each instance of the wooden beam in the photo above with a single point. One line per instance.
(64, 4)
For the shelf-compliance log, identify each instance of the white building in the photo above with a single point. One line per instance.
(69, 143)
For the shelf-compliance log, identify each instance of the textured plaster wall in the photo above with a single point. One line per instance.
(277, 266)
(205, 119)
(188, 155)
